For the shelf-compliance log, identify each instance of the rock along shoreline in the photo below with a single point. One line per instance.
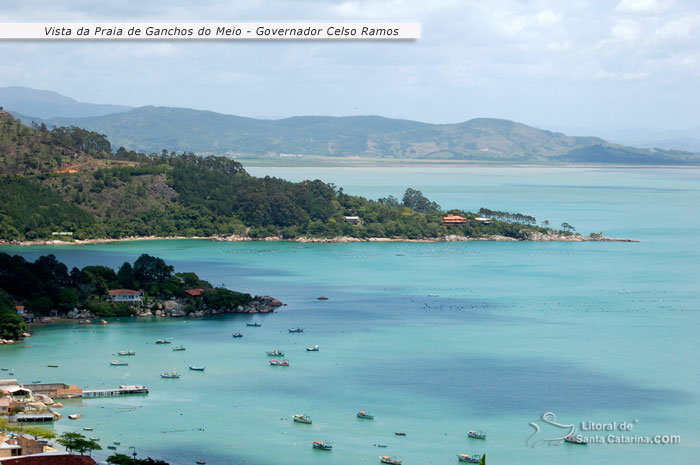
(532, 237)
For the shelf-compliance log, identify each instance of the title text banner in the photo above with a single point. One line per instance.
(210, 31)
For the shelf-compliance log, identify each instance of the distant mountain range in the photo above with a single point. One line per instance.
(152, 129)
(48, 104)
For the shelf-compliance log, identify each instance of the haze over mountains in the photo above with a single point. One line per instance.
(152, 129)
(48, 104)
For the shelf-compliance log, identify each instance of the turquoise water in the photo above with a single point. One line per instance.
(596, 332)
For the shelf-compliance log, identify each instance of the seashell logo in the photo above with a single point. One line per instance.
(548, 431)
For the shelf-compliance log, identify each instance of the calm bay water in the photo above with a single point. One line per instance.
(597, 332)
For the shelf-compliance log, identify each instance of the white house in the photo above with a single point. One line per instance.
(125, 295)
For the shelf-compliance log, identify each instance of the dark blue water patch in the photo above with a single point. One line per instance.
(190, 455)
(207, 269)
(357, 312)
(493, 386)
(604, 187)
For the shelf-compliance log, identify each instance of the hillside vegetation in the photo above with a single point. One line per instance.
(150, 129)
(68, 180)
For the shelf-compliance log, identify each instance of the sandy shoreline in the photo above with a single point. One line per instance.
(320, 240)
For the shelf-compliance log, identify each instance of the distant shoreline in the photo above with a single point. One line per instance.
(311, 161)
(320, 240)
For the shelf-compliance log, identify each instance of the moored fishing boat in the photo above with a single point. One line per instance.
(254, 325)
(299, 418)
(179, 348)
(279, 363)
(163, 341)
(389, 460)
(87, 428)
(313, 348)
(170, 374)
(575, 440)
(322, 445)
(126, 352)
(365, 415)
(399, 433)
(275, 353)
(117, 363)
(296, 330)
(194, 368)
(236, 334)
(474, 458)
(75, 416)
(477, 434)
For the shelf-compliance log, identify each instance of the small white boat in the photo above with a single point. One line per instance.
(172, 374)
(313, 348)
(477, 434)
(389, 460)
(275, 353)
(87, 428)
(322, 445)
(117, 363)
(279, 363)
(193, 368)
(575, 440)
(299, 418)
(75, 416)
(126, 352)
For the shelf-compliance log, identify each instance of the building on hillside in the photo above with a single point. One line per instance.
(127, 296)
(453, 219)
(194, 293)
(352, 219)
(4, 405)
(12, 387)
(9, 450)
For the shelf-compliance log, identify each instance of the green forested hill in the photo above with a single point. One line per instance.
(152, 129)
(69, 180)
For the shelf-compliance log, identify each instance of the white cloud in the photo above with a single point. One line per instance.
(682, 28)
(547, 18)
(626, 29)
(643, 6)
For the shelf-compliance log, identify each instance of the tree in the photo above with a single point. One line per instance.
(567, 227)
(78, 443)
(122, 459)
(125, 275)
(416, 201)
(483, 460)
(39, 432)
(148, 269)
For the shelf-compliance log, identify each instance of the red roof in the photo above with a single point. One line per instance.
(194, 292)
(19, 307)
(123, 292)
(63, 459)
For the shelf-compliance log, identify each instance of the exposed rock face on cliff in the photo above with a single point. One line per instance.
(174, 308)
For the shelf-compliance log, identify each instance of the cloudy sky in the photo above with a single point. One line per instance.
(579, 66)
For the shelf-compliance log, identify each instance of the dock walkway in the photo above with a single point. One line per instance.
(122, 390)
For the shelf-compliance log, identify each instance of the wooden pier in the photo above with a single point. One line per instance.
(121, 391)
